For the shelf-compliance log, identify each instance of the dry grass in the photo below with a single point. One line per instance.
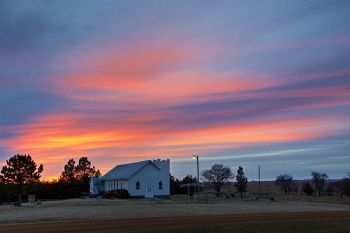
(177, 206)
(323, 199)
(290, 226)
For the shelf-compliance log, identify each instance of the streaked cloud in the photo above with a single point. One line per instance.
(236, 82)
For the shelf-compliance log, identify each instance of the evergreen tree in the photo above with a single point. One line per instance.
(189, 179)
(84, 171)
(68, 175)
(21, 170)
(175, 186)
(241, 181)
(77, 177)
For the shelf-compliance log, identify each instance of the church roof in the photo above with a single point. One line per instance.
(125, 171)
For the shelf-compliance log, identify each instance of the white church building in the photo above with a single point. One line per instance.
(144, 179)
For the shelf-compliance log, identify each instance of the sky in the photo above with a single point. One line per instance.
(235, 82)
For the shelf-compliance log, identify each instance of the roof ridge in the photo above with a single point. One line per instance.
(125, 171)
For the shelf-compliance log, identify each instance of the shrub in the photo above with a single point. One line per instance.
(329, 190)
(308, 189)
(119, 194)
(8, 193)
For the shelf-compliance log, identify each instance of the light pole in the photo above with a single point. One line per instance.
(196, 157)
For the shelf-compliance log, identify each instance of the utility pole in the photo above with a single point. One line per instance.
(259, 179)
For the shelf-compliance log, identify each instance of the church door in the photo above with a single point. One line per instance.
(149, 192)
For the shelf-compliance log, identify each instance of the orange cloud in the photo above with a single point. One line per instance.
(53, 139)
(158, 83)
(146, 74)
(255, 132)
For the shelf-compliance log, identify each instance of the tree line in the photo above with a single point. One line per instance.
(21, 176)
(218, 175)
(317, 185)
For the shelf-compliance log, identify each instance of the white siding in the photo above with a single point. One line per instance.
(116, 184)
(123, 184)
(149, 176)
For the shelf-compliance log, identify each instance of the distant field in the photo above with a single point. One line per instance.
(322, 199)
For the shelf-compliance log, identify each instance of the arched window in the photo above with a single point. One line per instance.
(138, 185)
(160, 185)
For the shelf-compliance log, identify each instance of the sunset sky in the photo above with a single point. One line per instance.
(236, 82)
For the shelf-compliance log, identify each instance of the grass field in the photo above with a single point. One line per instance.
(294, 226)
(284, 214)
(322, 199)
(115, 209)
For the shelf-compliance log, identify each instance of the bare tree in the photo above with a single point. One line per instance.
(342, 187)
(319, 181)
(285, 182)
(217, 175)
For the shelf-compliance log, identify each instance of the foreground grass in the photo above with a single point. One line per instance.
(290, 226)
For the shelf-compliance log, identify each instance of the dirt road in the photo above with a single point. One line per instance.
(161, 222)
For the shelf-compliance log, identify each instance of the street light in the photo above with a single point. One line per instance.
(196, 157)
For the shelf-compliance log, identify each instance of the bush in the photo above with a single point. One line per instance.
(43, 190)
(8, 193)
(345, 186)
(329, 191)
(58, 190)
(308, 189)
(119, 194)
